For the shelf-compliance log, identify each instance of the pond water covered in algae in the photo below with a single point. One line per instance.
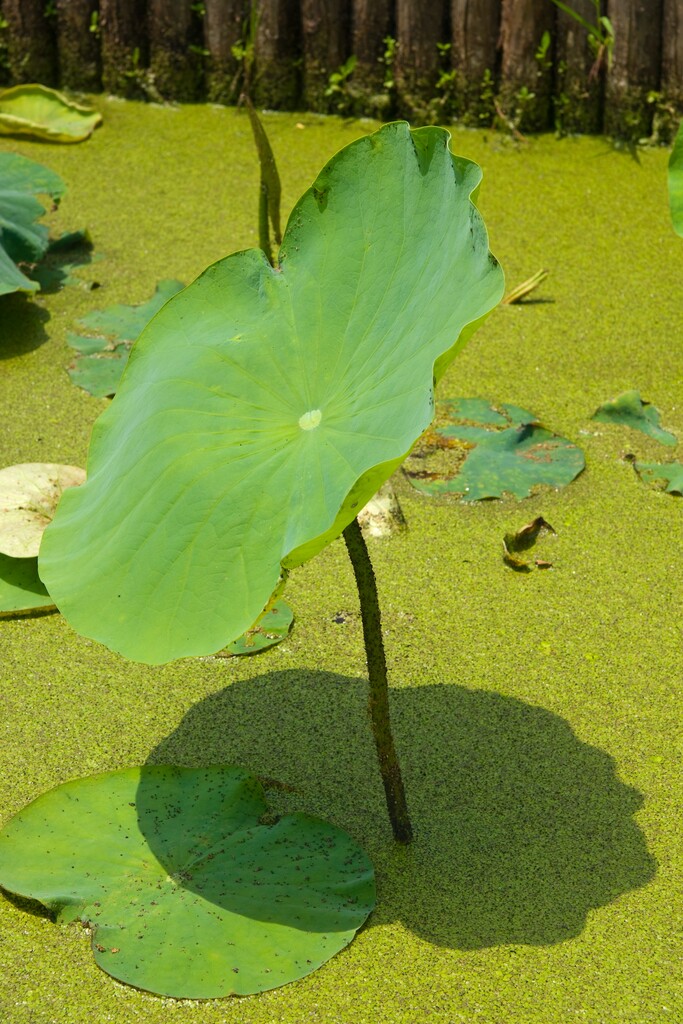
(537, 715)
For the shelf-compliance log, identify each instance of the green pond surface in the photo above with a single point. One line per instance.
(537, 715)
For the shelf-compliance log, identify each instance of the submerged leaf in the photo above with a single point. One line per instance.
(667, 475)
(630, 410)
(482, 451)
(516, 543)
(45, 113)
(104, 354)
(263, 406)
(186, 892)
(29, 494)
(21, 590)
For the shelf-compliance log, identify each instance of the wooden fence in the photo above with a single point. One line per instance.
(521, 62)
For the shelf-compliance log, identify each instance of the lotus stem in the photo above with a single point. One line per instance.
(378, 704)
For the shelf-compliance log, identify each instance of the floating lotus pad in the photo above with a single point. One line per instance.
(262, 407)
(22, 240)
(29, 494)
(21, 591)
(45, 114)
(187, 893)
(104, 354)
(667, 475)
(478, 451)
(630, 410)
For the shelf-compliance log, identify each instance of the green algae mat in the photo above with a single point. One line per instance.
(537, 714)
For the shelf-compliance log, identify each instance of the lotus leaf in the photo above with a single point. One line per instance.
(668, 475)
(22, 240)
(271, 629)
(103, 355)
(263, 406)
(482, 451)
(45, 114)
(29, 494)
(19, 174)
(630, 410)
(188, 892)
(21, 590)
(676, 182)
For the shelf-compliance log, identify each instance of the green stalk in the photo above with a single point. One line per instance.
(379, 691)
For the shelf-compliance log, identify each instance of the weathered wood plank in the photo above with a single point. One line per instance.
(475, 57)
(636, 66)
(225, 26)
(78, 41)
(174, 67)
(31, 42)
(326, 41)
(277, 81)
(419, 28)
(581, 68)
(672, 69)
(371, 26)
(123, 46)
(526, 81)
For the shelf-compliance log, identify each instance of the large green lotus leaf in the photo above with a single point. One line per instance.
(676, 182)
(21, 590)
(103, 354)
(262, 407)
(19, 174)
(479, 451)
(630, 410)
(45, 114)
(188, 891)
(21, 238)
(667, 475)
(29, 495)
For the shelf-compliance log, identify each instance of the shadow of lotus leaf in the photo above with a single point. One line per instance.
(520, 828)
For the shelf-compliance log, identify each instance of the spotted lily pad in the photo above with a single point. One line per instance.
(630, 410)
(263, 406)
(45, 114)
(187, 890)
(667, 475)
(21, 590)
(104, 350)
(22, 239)
(29, 494)
(478, 451)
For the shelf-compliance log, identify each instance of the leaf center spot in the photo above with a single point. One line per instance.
(310, 419)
